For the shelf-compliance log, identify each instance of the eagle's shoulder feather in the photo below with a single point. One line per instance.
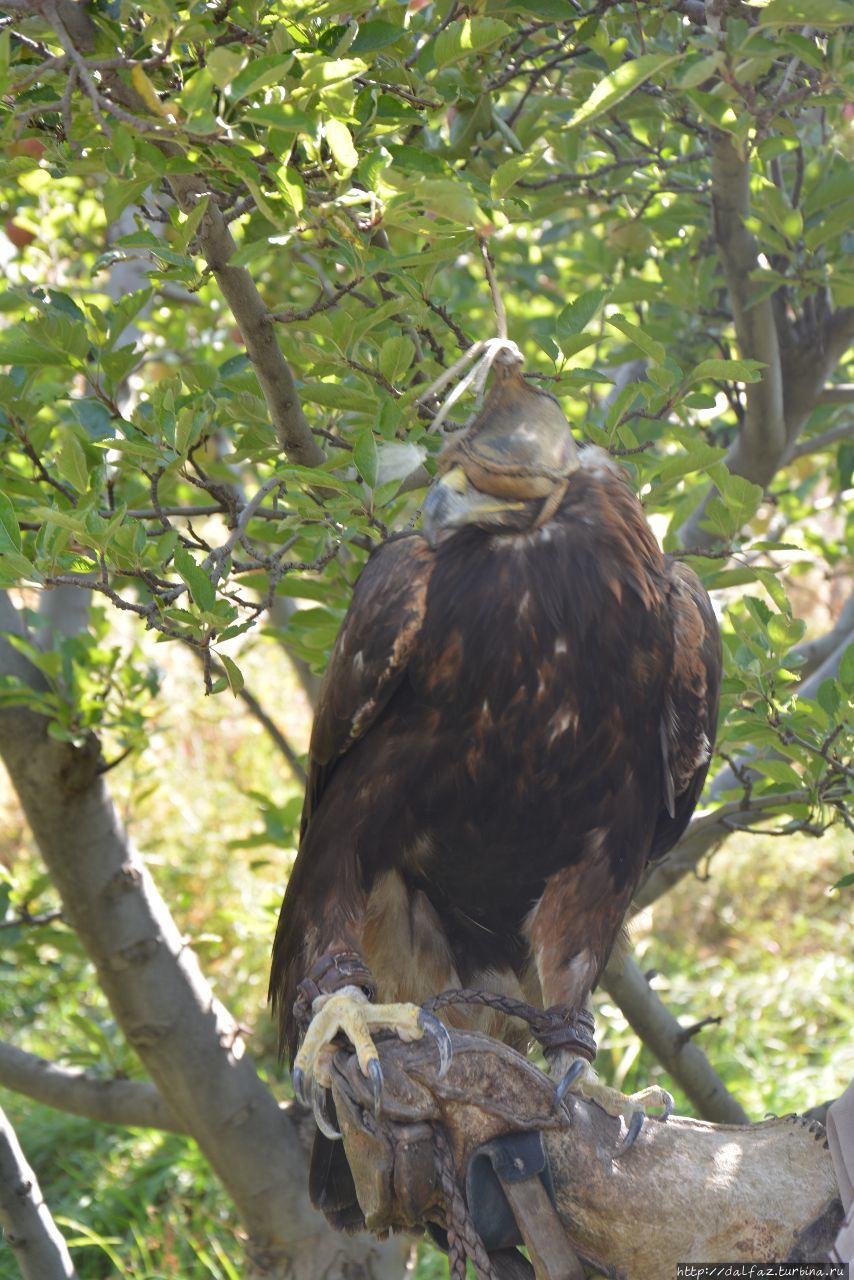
(370, 656)
(689, 716)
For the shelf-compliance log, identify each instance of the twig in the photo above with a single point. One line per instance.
(323, 303)
(431, 35)
(255, 709)
(497, 301)
(661, 1032)
(580, 177)
(27, 917)
(52, 14)
(463, 341)
(689, 1032)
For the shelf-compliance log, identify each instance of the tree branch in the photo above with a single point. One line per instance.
(132, 1103)
(26, 1220)
(815, 652)
(704, 833)
(756, 451)
(656, 1026)
(255, 709)
(255, 323)
(813, 444)
(839, 393)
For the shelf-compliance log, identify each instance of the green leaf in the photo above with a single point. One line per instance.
(233, 673)
(277, 115)
(846, 669)
(292, 188)
(698, 68)
(812, 13)
(461, 40)
(190, 225)
(571, 346)
(14, 567)
(779, 771)
(827, 697)
(23, 349)
(699, 458)
(396, 355)
(258, 73)
(325, 72)
(365, 457)
(71, 462)
(741, 497)
(334, 395)
(509, 173)
(374, 35)
(784, 632)
(10, 534)
(647, 345)
(577, 314)
(622, 404)
(200, 586)
(224, 65)
(341, 145)
(119, 194)
(727, 370)
(620, 83)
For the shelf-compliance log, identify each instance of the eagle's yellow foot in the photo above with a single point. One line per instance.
(631, 1108)
(349, 1011)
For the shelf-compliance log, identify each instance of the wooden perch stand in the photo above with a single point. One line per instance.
(687, 1191)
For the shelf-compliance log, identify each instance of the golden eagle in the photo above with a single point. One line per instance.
(517, 716)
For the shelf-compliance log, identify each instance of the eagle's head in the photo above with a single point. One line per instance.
(509, 470)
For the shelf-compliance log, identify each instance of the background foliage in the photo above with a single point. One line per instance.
(156, 449)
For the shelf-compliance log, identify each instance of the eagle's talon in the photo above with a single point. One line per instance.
(300, 1092)
(375, 1071)
(430, 1023)
(635, 1126)
(318, 1097)
(569, 1079)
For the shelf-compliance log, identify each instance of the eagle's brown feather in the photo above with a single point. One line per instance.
(511, 726)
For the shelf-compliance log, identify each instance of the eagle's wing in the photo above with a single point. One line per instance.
(369, 660)
(370, 656)
(691, 699)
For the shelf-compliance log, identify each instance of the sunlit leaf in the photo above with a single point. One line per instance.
(619, 84)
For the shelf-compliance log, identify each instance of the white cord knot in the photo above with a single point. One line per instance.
(484, 354)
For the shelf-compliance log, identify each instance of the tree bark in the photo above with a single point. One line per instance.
(798, 363)
(130, 1103)
(27, 1224)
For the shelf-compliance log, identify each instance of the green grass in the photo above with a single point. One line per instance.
(763, 943)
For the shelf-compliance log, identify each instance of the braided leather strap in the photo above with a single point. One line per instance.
(329, 973)
(560, 1027)
(568, 1028)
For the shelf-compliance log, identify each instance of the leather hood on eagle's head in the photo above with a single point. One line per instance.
(509, 469)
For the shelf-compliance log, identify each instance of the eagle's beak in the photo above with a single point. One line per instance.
(453, 502)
